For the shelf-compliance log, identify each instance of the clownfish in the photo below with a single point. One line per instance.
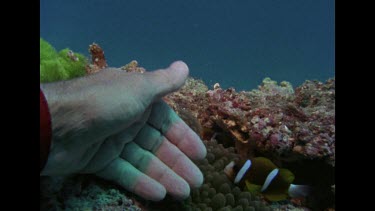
(261, 176)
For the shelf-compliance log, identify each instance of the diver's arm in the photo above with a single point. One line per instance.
(114, 124)
(45, 130)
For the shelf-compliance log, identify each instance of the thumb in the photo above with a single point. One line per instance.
(164, 81)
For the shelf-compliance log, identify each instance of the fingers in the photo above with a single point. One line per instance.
(186, 140)
(126, 175)
(151, 139)
(179, 163)
(154, 168)
(164, 119)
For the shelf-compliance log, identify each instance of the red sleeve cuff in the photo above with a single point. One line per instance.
(45, 130)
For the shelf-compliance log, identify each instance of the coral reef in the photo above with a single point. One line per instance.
(133, 67)
(82, 193)
(98, 61)
(218, 192)
(63, 65)
(273, 120)
(294, 128)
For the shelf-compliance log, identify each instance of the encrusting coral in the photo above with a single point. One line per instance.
(269, 120)
(82, 192)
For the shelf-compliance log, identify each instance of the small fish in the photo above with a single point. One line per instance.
(260, 175)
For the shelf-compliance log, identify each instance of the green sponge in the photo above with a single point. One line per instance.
(56, 66)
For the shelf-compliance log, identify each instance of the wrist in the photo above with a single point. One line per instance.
(74, 112)
(45, 131)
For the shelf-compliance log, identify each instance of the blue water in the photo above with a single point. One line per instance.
(236, 43)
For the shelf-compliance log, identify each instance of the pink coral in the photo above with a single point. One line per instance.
(274, 119)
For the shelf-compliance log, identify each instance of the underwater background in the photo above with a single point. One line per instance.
(278, 55)
(235, 43)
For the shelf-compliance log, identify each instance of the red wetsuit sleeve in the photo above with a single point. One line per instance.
(45, 130)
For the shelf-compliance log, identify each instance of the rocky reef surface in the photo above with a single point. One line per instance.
(275, 119)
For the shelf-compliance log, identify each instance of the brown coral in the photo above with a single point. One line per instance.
(98, 61)
(133, 67)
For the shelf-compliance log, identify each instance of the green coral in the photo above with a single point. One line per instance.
(56, 66)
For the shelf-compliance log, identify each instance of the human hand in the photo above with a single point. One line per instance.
(115, 125)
